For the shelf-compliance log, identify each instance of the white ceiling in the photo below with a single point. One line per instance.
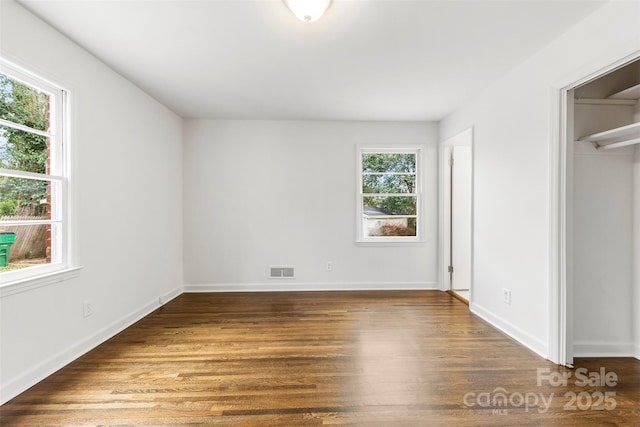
(364, 60)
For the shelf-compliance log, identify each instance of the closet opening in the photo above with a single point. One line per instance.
(602, 214)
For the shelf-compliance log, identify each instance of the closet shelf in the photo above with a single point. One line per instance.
(629, 96)
(613, 138)
(629, 93)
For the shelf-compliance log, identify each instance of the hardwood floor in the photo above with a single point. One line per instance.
(399, 358)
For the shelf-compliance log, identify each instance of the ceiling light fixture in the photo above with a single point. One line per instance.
(308, 10)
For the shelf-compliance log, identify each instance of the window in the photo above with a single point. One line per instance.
(389, 195)
(32, 176)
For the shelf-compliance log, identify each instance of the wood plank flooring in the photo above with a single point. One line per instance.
(388, 358)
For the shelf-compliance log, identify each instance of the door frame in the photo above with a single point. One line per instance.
(561, 286)
(464, 138)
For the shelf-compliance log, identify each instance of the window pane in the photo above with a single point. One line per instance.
(388, 183)
(388, 162)
(32, 246)
(31, 203)
(390, 227)
(388, 205)
(24, 199)
(23, 104)
(25, 151)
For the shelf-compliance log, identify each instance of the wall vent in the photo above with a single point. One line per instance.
(281, 272)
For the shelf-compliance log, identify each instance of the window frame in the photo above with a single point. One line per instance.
(365, 240)
(58, 175)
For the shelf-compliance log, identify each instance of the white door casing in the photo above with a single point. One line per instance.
(460, 145)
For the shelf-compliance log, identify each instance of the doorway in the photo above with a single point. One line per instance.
(457, 201)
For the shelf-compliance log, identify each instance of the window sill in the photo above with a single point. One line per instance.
(28, 284)
(390, 243)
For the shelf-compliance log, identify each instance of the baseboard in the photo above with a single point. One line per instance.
(15, 386)
(284, 286)
(604, 349)
(636, 351)
(532, 343)
(168, 296)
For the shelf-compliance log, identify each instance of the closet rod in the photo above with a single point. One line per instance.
(618, 144)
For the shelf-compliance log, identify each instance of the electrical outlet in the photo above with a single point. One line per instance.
(328, 266)
(87, 308)
(506, 296)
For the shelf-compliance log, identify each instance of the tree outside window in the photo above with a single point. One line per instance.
(388, 202)
(30, 178)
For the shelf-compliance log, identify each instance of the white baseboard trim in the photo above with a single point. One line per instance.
(604, 349)
(636, 351)
(168, 296)
(285, 286)
(523, 337)
(13, 387)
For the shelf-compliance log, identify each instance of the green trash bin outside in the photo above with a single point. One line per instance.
(6, 240)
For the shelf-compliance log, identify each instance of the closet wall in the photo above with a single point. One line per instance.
(606, 218)
(636, 250)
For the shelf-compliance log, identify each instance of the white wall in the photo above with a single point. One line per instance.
(636, 243)
(127, 177)
(636, 253)
(262, 193)
(603, 276)
(514, 128)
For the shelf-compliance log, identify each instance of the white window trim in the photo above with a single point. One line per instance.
(38, 281)
(64, 268)
(362, 240)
